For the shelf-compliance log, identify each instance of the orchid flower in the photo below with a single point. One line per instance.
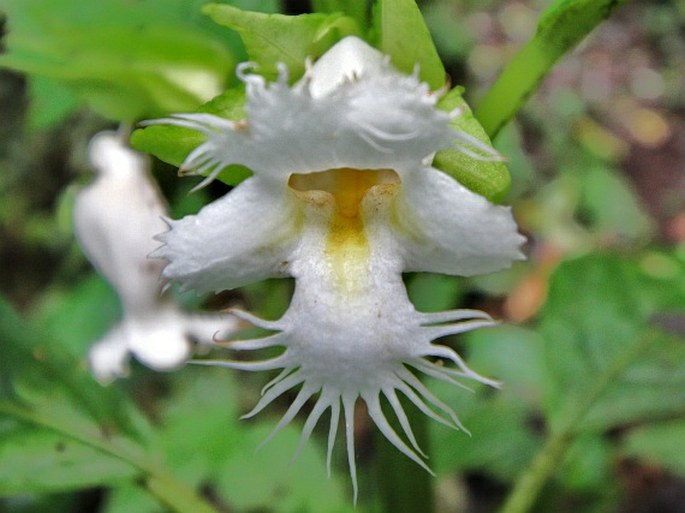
(343, 199)
(115, 219)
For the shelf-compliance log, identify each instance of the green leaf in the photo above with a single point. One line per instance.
(124, 64)
(130, 498)
(607, 365)
(204, 407)
(88, 434)
(402, 33)
(39, 460)
(587, 465)
(51, 102)
(659, 444)
(276, 38)
(501, 442)
(172, 144)
(78, 316)
(254, 479)
(502, 439)
(433, 292)
(610, 205)
(485, 177)
(38, 372)
(356, 9)
(513, 355)
(561, 27)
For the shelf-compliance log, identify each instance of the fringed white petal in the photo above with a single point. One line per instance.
(345, 343)
(274, 392)
(402, 418)
(348, 402)
(363, 115)
(324, 402)
(376, 413)
(305, 393)
(244, 237)
(449, 229)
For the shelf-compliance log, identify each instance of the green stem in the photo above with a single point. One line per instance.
(513, 87)
(543, 466)
(173, 493)
(528, 487)
(404, 486)
(561, 27)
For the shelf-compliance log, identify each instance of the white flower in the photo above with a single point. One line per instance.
(115, 219)
(342, 199)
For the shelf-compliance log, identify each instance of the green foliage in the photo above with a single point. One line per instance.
(622, 216)
(172, 144)
(560, 28)
(659, 444)
(401, 33)
(275, 38)
(433, 292)
(596, 364)
(51, 101)
(61, 430)
(126, 63)
(502, 439)
(602, 349)
(205, 410)
(587, 464)
(605, 365)
(69, 424)
(359, 10)
(594, 361)
(486, 177)
(39, 373)
(500, 443)
(40, 460)
(76, 317)
(258, 479)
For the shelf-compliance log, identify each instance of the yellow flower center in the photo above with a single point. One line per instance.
(347, 248)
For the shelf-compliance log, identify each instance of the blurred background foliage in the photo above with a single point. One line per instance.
(591, 348)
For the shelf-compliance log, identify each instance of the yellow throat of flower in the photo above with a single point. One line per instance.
(347, 248)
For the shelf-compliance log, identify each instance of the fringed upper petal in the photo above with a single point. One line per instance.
(362, 115)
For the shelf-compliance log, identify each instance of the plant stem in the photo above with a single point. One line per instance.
(560, 28)
(176, 494)
(531, 482)
(166, 488)
(528, 487)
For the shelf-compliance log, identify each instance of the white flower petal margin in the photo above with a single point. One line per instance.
(115, 220)
(342, 200)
